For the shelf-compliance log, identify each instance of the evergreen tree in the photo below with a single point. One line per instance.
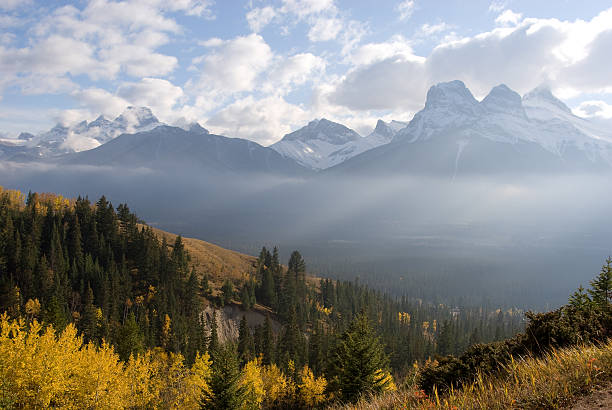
(225, 389)
(446, 342)
(359, 362)
(88, 321)
(267, 342)
(130, 340)
(205, 286)
(246, 345)
(245, 297)
(601, 286)
(580, 299)
(213, 339)
(193, 295)
(292, 343)
(227, 292)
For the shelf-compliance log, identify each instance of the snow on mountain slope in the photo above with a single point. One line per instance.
(84, 136)
(501, 133)
(323, 143)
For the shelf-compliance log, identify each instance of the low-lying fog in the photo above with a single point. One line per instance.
(526, 240)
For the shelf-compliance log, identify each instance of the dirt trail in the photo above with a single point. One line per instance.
(599, 399)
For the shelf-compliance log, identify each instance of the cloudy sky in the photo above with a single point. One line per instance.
(259, 69)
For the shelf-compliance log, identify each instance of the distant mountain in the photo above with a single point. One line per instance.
(455, 133)
(174, 148)
(80, 137)
(323, 143)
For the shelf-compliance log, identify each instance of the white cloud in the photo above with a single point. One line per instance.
(14, 4)
(431, 29)
(351, 35)
(325, 29)
(77, 142)
(405, 9)
(372, 52)
(497, 5)
(303, 8)
(258, 18)
(594, 108)
(388, 84)
(572, 56)
(264, 120)
(294, 70)
(509, 18)
(102, 40)
(160, 95)
(100, 101)
(234, 65)
(200, 8)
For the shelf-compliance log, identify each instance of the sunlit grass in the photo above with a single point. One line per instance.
(553, 381)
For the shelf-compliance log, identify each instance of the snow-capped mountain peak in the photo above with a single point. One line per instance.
(543, 97)
(137, 118)
(502, 99)
(453, 95)
(323, 130)
(82, 136)
(385, 131)
(322, 143)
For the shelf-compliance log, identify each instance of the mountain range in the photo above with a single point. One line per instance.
(453, 134)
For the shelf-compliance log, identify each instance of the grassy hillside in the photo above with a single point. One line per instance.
(556, 380)
(219, 263)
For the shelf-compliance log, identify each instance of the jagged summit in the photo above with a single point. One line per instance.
(323, 130)
(502, 99)
(452, 95)
(383, 129)
(542, 96)
(136, 117)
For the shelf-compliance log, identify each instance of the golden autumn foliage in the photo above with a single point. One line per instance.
(252, 383)
(42, 369)
(311, 389)
(385, 378)
(276, 385)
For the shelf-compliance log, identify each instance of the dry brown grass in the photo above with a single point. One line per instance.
(219, 263)
(554, 381)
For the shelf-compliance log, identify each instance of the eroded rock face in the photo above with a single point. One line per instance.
(229, 317)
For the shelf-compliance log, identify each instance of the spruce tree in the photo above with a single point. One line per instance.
(213, 339)
(227, 292)
(601, 286)
(225, 390)
(268, 342)
(358, 362)
(130, 340)
(246, 345)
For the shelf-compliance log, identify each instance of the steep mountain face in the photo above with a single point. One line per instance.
(176, 149)
(454, 133)
(82, 136)
(323, 143)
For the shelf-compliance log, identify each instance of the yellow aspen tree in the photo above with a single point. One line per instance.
(166, 331)
(198, 382)
(143, 380)
(252, 383)
(275, 384)
(311, 390)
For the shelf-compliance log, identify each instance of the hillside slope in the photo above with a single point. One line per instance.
(219, 263)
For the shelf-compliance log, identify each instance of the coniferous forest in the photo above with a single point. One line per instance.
(89, 283)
